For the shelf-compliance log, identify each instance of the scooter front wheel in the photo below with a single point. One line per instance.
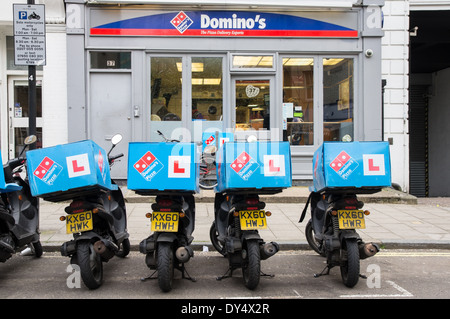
(251, 267)
(213, 235)
(90, 263)
(124, 248)
(350, 262)
(38, 251)
(312, 242)
(164, 266)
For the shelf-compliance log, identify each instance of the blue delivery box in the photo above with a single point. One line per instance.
(57, 173)
(357, 165)
(154, 167)
(255, 165)
(6, 187)
(209, 138)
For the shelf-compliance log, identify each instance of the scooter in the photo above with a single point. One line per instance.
(172, 224)
(99, 227)
(331, 232)
(19, 210)
(234, 234)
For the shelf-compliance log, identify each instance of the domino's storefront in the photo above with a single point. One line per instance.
(300, 71)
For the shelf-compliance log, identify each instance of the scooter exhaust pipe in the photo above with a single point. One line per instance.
(183, 254)
(368, 250)
(104, 252)
(268, 250)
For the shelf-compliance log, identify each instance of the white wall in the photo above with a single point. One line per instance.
(395, 56)
(54, 88)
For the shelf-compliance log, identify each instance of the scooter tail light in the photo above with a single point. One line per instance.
(252, 201)
(165, 202)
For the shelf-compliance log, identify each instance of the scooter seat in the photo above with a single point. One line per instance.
(10, 187)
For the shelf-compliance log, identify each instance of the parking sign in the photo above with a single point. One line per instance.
(29, 34)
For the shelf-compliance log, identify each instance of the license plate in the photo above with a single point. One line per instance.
(79, 222)
(252, 219)
(165, 221)
(351, 219)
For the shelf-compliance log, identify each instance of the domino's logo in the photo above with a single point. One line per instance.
(148, 166)
(344, 165)
(181, 22)
(244, 165)
(48, 170)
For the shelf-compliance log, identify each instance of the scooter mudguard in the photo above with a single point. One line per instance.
(251, 236)
(348, 234)
(166, 237)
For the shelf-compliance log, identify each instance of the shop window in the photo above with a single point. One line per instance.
(338, 103)
(252, 62)
(252, 104)
(21, 108)
(110, 60)
(207, 88)
(165, 91)
(298, 93)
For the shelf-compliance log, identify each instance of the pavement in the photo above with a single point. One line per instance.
(397, 220)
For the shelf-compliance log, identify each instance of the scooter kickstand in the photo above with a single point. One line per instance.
(149, 277)
(263, 274)
(230, 270)
(187, 276)
(322, 273)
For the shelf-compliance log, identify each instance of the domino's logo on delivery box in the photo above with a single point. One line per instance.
(344, 165)
(244, 165)
(48, 170)
(148, 166)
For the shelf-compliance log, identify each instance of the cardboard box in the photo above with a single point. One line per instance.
(61, 172)
(6, 187)
(256, 165)
(357, 165)
(157, 167)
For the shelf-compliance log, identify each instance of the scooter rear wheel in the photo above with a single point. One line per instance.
(251, 267)
(350, 262)
(164, 266)
(90, 263)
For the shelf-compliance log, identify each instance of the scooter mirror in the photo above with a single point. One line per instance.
(116, 139)
(30, 139)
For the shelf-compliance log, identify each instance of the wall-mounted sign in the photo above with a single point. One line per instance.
(29, 34)
(221, 24)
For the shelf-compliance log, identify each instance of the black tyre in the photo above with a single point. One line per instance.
(251, 267)
(309, 233)
(213, 234)
(38, 251)
(124, 248)
(90, 263)
(350, 262)
(164, 266)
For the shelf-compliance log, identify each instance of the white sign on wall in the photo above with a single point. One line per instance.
(29, 34)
